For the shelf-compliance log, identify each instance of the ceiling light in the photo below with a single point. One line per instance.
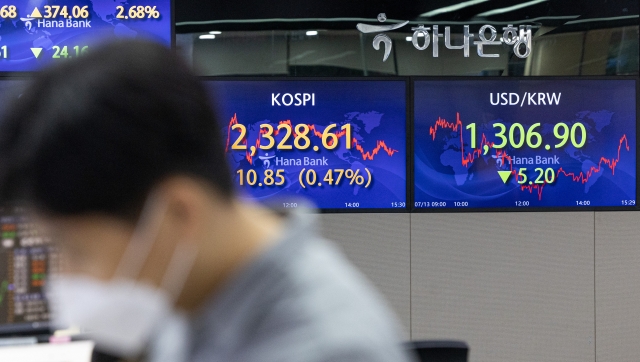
(215, 32)
(410, 38)
(312, 32)
(448, 9)
(601, 19)
(511, 8)
(207, 36)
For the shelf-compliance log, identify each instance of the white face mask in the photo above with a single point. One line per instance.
(125, 316)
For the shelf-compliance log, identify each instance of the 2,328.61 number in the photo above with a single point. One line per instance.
(300, 134)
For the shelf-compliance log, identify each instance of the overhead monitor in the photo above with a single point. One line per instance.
(40, 32)
(524, 144)
(340, 144)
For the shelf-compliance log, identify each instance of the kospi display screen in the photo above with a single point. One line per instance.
(34, 33)
(340, 144)
(524, 144)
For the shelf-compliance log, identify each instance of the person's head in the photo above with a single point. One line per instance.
(120, 157)
(91, 138)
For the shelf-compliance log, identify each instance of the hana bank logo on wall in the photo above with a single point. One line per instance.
(519, 38)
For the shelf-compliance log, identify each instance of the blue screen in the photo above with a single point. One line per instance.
(339, 144)
(34, 33)
(525, 143)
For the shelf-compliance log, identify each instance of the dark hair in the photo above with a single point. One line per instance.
(95, 134)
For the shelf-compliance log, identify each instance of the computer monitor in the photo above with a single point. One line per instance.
(545, 144)
(26, 259)
(36, 34)
(341, 144)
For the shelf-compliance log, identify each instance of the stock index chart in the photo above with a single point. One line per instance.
(525, 143)
(339, 144)
(34, 33)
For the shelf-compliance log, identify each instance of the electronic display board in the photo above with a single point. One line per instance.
(26, 257)
(339, 144)
(34, 33)
(548, 143)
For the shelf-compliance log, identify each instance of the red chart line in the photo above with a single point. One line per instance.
(366, 155)
(468, 158)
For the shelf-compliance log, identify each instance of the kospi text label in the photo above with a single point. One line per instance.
(295, 99)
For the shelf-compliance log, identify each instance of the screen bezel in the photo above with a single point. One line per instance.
(409, 114)
(25, 329)
(408, 123)
(414, 209)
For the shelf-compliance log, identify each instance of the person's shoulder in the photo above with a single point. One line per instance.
(301, 301)
(327, 308)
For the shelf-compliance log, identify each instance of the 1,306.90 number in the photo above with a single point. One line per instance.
(517, 136)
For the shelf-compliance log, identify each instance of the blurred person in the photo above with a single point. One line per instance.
(120, 157)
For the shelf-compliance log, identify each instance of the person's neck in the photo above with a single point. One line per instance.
(234, 237)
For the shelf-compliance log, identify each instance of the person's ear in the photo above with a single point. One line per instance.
(185, 205)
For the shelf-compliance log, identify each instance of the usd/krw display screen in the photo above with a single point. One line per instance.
(525, 143)
(340, 144)
(37, 32)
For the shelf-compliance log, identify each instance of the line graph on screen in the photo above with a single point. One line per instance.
(467, 159)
